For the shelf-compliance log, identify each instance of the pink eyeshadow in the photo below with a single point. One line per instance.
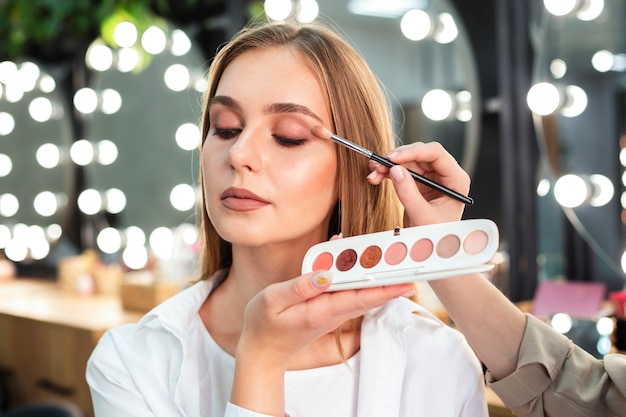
(448, 246)
(395, 253)
(346, 260)
(475, 242)
(323, 261)
(421, 250)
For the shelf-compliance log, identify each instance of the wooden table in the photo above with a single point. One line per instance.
(46, 337)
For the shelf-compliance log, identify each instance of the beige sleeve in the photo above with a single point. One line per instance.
(554, 377)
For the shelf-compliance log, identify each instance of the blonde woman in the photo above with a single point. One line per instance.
(254, 337)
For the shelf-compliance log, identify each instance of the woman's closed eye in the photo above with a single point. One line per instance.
(288, 142)
(230, 133)
(225, 133)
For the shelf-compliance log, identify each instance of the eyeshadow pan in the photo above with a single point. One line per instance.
(371, 256)
(323, 261)
(346, 260)
(421, 250)
(475, 242)
(395, 253)
(448, 246)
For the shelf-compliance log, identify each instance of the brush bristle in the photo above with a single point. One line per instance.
(321, 132)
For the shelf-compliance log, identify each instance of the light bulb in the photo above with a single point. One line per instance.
(86, 100)
(153, 40)
(162, 242)
(416, 24)
(109, 240)
(90, 201)
(437, 104)
(183, 197)
(177, 77)
(99, 57)
(570, 191)
(6, 165)
(82, 152)
(125, 34)
(188, 136)
(575, 101)
(543, 98)
(277, 9)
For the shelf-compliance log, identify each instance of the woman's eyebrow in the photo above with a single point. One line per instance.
(276, 108)
(225, 101)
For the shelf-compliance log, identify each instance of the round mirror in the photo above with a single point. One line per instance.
(421, 53)
(34, 157)
(579, 104)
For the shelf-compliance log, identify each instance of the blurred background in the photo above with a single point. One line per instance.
(99, 136)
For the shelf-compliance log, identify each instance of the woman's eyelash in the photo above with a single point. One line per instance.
(289, 142)
(231, 133)
(225, 133)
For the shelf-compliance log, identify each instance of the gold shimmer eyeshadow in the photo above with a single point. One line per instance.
(346, 260)
(448, 246)
(395, 253)
(421, 250)
(475, 242)
(371, 256)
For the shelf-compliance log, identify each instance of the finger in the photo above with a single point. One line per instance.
(432, 157)
(285, 294)
(378, 172)
(415, 205)
(341, 306)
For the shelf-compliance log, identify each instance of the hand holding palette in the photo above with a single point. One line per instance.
(412, 254)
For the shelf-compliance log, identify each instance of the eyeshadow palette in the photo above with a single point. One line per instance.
(411, 254)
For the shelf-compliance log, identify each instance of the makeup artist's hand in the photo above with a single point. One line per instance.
(422, 204)
(283, 319)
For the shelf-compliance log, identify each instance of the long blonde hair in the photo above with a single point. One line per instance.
(359, 112)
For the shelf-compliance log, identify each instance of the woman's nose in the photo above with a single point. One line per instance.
(245, 153)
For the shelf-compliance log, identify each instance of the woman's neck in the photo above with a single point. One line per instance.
(251, 272)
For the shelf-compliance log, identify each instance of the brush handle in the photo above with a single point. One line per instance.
(422, 179)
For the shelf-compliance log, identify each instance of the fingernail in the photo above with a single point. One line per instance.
(372, 175)
(396, 173)
(393, 154)
(322, 279)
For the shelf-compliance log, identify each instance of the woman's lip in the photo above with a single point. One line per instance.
(240, 199)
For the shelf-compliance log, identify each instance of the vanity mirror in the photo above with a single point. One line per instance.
(420, 51)
(34, 160)
(578, 102)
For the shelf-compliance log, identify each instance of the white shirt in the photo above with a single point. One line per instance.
(167, 365)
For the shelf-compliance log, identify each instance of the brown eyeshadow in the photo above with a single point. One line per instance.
(371, 256)
(346, 260)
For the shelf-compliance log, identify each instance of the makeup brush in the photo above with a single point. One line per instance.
(323, 133)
